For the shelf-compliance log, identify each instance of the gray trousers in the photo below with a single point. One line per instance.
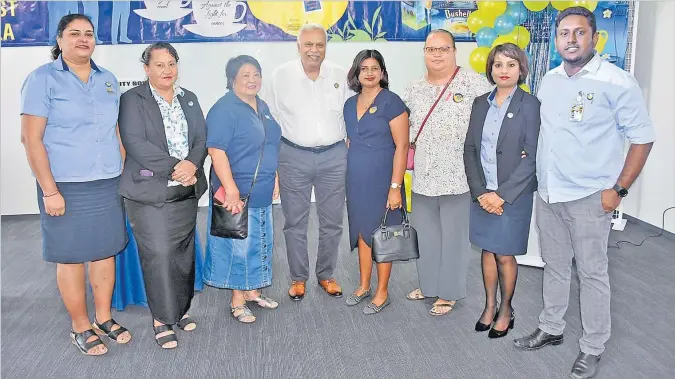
(299, 171)
(576, 229)
(442, 225)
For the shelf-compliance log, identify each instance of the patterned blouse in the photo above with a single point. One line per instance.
(175, 125)
(439, 154)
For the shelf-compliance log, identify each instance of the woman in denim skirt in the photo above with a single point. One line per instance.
(238, 126)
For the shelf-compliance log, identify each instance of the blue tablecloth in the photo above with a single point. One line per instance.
(129, 286)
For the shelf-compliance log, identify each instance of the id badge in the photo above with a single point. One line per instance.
(577, 111)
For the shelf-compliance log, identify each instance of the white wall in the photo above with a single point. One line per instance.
(654, 191)
(202, 70)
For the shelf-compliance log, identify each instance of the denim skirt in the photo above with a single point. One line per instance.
(241, 264)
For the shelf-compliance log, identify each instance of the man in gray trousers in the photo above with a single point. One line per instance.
(306, 97)
(589, 107)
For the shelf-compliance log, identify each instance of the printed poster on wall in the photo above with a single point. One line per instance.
(33, 23)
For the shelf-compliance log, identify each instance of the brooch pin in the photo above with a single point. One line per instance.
(590, 97)
(110, 90)
(267, 116)
(372, 109)
(190, 103)
(458, 98)
(336, 85)
(108, 84)
(509, 115)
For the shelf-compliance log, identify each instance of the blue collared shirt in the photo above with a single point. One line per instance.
(578, 158)
(80, 136)
(234, 127)
(488, 142)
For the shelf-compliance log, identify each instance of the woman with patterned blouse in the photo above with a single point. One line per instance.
(440, 193)
(164, 133)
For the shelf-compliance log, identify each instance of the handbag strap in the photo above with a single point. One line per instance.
(434, 106)
(262, 152)
(257, 167)
(404, 215)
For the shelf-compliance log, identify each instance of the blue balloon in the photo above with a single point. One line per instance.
(504, 24)
(486, 36)
(517, 11)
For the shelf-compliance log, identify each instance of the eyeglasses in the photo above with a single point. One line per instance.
(442, 49)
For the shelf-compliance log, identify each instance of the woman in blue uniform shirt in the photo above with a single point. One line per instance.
(377, 132)
(68, 127)
(237, 127)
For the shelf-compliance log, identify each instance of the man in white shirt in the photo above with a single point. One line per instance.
(306, 97)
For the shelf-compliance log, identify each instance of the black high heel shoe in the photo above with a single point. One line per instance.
(494, 333)
(480, 327)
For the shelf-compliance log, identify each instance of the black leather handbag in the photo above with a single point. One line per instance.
(225, 224)
(395, 242)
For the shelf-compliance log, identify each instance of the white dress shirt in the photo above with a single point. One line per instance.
(309, 111)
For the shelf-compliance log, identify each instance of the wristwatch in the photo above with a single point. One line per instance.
(620, 190)
(395, 185)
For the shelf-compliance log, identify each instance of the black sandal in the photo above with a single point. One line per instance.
(161, 341)
(80, 340)
(106, 329)
(185, 322)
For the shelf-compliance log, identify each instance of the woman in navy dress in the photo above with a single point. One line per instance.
(377, 132)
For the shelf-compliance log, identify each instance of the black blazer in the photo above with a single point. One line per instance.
(144, 139)
(515, 175)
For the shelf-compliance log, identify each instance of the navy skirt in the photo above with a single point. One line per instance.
(93, 227)
(506, 234)
(368, 183)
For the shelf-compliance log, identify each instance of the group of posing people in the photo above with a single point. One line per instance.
(482, 149)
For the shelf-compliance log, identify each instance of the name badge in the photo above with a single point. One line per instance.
(577, 110)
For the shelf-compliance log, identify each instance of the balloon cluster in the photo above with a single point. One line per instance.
(497, 22)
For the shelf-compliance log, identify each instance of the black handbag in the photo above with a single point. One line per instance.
(225, 224)
(395, 242)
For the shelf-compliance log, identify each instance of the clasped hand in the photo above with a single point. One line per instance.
(233, 202)
(184, 172)
(492, 203)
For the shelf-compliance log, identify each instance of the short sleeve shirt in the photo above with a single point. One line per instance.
(80, 136)
(234, 127)
(439, 153)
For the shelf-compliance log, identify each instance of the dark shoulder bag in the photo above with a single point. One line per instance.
(395, 242)
(225, 224)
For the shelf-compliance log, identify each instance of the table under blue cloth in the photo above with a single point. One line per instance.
(129, 285)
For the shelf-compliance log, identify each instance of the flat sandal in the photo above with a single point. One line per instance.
(246, 312)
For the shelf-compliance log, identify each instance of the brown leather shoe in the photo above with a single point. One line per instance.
(297, 290)
(331, 287)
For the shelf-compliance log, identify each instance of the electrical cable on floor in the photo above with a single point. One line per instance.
(663, 225)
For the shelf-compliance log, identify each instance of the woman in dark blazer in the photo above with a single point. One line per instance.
(163, 130)
(499, 159)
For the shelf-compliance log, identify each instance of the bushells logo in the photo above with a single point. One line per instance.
(7, 9)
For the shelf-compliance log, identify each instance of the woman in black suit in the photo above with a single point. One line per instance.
(164, 132)
(499, 159)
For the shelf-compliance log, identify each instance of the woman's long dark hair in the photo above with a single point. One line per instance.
(353, 75)
(63, 24)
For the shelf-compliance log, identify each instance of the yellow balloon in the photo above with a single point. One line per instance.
(493, 8)
(521, 35)
(588, 4)
(290, 16)
(478, 19)
(509, 38)
(478, 59)
(561, 4)
(535, 5)
(525, 87)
